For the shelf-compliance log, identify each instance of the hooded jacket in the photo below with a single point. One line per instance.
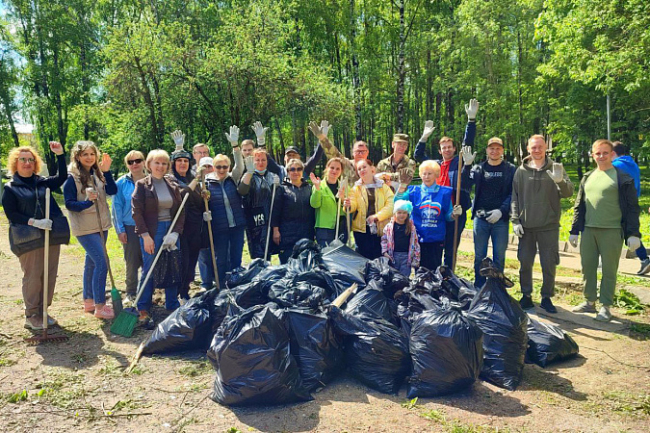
(627, 164)
(384, 197)
(293, 214)
(536, 197)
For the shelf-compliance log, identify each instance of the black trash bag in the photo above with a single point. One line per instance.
(269, 276)
(345, 265)
(381, 269)
(240, 276)
(410, 304)
(372, 303)
(504, 324)
(315, 346)
(376, 351)
(447, 353)
(189, 327)
(426, 281)
(301, 294)
(251, 353)
(458, 289)
(306, 256)
(249, 295)
(167, 272)
(548, 343)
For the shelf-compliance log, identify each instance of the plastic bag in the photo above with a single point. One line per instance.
(447, 353)
(305, 257)
(372, 303)
(548, 343)
(376, 352)
(380, 269)
(187, 328)
(426, 281)
(167, 272)
(251, 353)
(241, 276)
(345, 266)
(458, 289)
(504, 324)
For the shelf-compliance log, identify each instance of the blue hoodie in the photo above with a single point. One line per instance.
(627, 164)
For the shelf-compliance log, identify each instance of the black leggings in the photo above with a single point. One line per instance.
(368, 245)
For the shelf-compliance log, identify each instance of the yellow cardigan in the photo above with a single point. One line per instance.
(383, 205)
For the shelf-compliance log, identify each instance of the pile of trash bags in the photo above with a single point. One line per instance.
(275, 334)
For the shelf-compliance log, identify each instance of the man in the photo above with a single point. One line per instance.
(606, 211)
(359, 150)
(200, 150)
(624, 162)
(491, 210)
(399, 160)
(539, 185)
(449, 172)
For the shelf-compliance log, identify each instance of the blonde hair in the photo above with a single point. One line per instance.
(536, 137)
(335, 159)
(602, 141)
(431, 164)
(157, 154)
(259, 150)
(197, 145)
(134, 154)
(12, 161)
(295, 161)
(220, 157)
(78, 169)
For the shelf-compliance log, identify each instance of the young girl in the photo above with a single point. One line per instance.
(400, 240)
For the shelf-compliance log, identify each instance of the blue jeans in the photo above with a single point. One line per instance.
(95, 268)
(171, 293)
(483, 232)
(228, 248)
(206, 270)
(401, 262)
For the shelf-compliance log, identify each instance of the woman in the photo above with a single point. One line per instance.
(432, 209)
(324, 200)
(257, 206)
(227, 213)
(181, 161)
(88, 184)
(24, 204)
(293, 217)
(156, 200)
(372, 200)
(123, 220)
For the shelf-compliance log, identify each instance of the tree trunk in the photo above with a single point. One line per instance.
(356, 83)
(401, 68)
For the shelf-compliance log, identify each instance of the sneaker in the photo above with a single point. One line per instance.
(547, 304)
(51, 321)
(89, 305)
(604, 315)
(585, 307)
(145, 321)
(105, 312)
(35, 323)
(645, 267)
(526, 302)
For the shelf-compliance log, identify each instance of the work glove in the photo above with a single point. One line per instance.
(518, 229)
(405, 176)
(573, 240)
(260, 133)
(493, 216)
(207, 216)
(249, 161)
(169, 241)
(471, 109)
(179, 139)
(458, 209)
(320, 131)
(428, 130)
(556, 172)
(275, 179)
(43, 224)
(633, 243)
(233, 136)
(468, 156)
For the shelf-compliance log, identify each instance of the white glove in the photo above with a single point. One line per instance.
(471, 109)
(518, 229)
(169, 241)
(633, 243)
(573, 240)
(556, 172)
(457, 210)
(179, 139)
(325, 127)
(249, 161)
(275, 179)
(233, 137)
(493, 216)
(260, 133)
(428, 130)
(207, 216)
(45, 224)
(468, 156)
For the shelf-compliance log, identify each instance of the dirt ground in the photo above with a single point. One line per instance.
(80, 385)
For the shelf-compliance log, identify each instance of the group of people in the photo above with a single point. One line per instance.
(157, 204)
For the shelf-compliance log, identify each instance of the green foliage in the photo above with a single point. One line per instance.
(628, 301)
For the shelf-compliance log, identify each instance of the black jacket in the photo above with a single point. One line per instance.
(474, 176)
(627, 200)
(293, 214)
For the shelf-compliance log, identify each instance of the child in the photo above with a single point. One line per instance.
(400, 241)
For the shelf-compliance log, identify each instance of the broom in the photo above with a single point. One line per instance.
(116, 298)
(124, 324)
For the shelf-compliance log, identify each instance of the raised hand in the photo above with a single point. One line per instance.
(316, 130)
(471, 109)
(260, 133)
(325, 127)
(56, 147)
(179, 139)
(105, 163)
(556, 172)
(233, 136)
(428, 130)
(249, 161)
(468, 156)
(315, 181)
(405, 176)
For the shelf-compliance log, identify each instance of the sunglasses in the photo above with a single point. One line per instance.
(135, 161)
(296, 169)
(27, 160)
(222, 167)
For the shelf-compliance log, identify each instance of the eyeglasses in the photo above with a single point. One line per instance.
(296, 169)
(27, 160)
(222, 167)
(360, 151)
(135, 161)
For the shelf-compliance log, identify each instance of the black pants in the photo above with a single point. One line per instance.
(368, 245)
(449, 238)
(132, 258)
(431, 254)
(191, 240)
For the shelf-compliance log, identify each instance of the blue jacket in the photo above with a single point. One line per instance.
(431, 210)
(121, 209)
(627, 164)
(218, 207)
(474, 176)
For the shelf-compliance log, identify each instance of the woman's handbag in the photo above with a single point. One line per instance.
(24, 238)
(167, 272)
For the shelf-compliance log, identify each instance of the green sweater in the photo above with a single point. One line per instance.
(324, 202)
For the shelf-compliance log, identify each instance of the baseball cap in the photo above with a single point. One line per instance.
(496, 140)
(291, 149)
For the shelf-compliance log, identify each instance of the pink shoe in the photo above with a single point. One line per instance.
(104, 312)
(89, 305)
